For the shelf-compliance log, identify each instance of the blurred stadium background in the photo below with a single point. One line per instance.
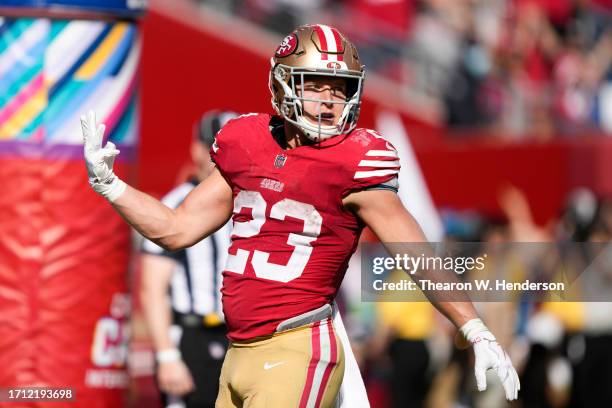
(504, 107)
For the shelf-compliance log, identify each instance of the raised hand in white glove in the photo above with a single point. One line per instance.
(99, 160)
(489, 355)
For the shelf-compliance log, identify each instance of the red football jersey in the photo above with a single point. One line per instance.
(292, 238)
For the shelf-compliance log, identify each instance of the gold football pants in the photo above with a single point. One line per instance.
(301, 367)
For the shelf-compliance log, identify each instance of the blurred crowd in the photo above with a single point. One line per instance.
(515, 68)
(411, 355)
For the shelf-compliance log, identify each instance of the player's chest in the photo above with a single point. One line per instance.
(302, 176)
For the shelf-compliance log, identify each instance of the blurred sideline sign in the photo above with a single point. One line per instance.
(64, 251)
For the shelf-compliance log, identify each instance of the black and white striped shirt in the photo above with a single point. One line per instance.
(196, 280)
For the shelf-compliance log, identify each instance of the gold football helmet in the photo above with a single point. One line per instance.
(309, 51)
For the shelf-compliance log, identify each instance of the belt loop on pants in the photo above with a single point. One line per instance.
(312, 316)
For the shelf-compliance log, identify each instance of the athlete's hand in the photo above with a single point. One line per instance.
(99, 160)
(174, 378)
(489, 355)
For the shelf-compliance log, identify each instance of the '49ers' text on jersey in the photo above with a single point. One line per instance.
(292, 237)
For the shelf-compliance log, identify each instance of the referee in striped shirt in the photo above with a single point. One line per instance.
(181, 296)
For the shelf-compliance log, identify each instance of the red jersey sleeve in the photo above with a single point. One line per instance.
(221, 149)
(230, 150)
(375, 162)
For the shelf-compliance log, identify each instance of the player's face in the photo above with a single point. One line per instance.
(327, 90)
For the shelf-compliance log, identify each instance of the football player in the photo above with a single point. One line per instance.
(299, 187)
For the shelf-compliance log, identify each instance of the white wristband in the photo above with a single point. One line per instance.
(472, 328)
(111, 191)
(168, 356)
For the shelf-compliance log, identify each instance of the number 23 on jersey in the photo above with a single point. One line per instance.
(279, 210)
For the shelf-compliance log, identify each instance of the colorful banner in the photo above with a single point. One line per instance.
(51, 71)
(63, 250)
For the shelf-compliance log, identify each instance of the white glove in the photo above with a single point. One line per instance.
(99, 160)
(489, 355)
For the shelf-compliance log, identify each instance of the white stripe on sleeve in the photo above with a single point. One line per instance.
(379, 163)
(374, 173)
(382, 153)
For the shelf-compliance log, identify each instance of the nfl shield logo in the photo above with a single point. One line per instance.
(280, 161)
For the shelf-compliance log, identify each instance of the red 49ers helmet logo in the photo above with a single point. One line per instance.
(287, 46)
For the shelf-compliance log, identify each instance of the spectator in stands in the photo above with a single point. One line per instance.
(518, 68)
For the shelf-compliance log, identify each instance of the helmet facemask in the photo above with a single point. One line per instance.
(291, 106)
